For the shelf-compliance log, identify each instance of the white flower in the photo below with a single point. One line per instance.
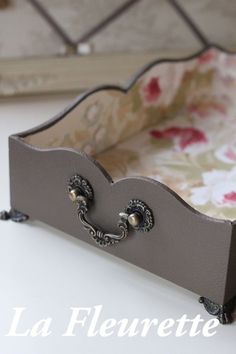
(219, 189)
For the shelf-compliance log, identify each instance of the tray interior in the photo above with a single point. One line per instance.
(176, 124)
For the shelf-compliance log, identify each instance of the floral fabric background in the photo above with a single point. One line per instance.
(177, 125)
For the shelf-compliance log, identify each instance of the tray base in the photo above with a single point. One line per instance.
(13, 215)
(223, 312)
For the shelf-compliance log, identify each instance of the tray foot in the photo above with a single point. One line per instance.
(13, 215)
(222, 312)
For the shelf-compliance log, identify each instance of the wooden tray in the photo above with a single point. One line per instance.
(158, 157)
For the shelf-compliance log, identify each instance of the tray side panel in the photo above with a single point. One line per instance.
(230, 291)
(184, 247)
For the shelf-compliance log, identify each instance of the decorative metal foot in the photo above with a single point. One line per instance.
(13, 215)
(223, 312)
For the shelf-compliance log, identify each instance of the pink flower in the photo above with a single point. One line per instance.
(206, 57)
(231, 154)
(203, 110)
(227, 153)
(152, 90)
(186, 136)
(230, 197)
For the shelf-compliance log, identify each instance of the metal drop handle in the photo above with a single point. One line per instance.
(136, 215)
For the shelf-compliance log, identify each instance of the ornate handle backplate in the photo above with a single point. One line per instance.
(136, 215)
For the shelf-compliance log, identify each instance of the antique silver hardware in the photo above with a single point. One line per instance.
(134, 219)
(73, 194)
(136, 215)
(13, 215)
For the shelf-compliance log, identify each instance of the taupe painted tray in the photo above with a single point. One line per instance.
(159, 159)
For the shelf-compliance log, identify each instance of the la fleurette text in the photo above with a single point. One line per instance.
(90, 321)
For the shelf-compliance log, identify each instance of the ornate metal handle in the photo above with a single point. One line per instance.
(136, 215)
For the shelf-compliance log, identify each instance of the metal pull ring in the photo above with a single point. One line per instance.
(136, 215)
